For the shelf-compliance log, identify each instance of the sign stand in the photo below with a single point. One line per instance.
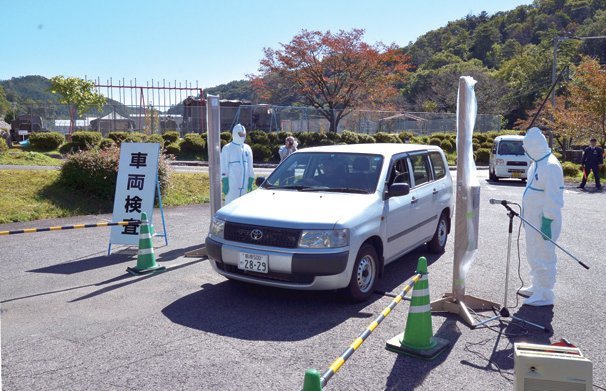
(136, 189)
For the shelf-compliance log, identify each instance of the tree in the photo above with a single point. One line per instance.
(4, 104)
(588, 93)
(334, 72)
(78, 94)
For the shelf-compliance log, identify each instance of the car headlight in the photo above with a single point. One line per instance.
(500, 162)
(324, 238)
(217, 226)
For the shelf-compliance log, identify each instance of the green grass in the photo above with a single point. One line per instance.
(20, 157)
(37, 194)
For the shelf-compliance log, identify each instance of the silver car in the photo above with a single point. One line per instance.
(332, 217)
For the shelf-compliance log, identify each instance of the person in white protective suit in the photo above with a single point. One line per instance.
(237, 175)
(542, 203)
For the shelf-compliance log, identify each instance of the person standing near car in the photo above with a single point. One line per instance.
(289, 147)
(237, 174)
(593, 159)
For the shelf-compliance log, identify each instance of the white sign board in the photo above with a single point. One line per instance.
(23, 132)
(135, 189)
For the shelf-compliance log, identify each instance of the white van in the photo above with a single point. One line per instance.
(331, 217)
(507, 159)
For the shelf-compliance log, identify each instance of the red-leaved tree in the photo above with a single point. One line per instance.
(334, 73)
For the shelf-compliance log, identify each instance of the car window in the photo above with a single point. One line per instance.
(399, 171)
(310, 171)
(511, 147)
(437, 162)
(420, 169)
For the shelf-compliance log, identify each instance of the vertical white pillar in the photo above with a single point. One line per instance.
(213, 139)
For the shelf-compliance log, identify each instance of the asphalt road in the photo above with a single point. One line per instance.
(73, 319)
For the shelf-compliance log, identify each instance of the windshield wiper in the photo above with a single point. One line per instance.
(294, 187)
(338, 189)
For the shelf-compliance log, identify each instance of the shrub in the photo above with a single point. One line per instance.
(261, 152)
(406, 135)
(258, 137)
(316, 139)
(170, 136)
(95, 172)
(304, 139)
(107, 143)
(118, 137)
(194, 144)
(46, 141)
(447, 145)
(476, 146)
(225, 136)
(135, 137)
(273, 139)
(366, 138)
(482, 156)
(435, 141)
(349, 137)
(155, 138)
(570, 169)
(3, 146)
(68, 148)
(486, 144)
(85, 140)
(335, 137)
(382, 137)
(173, 149)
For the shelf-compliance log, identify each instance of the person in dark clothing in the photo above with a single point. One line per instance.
(593, 159)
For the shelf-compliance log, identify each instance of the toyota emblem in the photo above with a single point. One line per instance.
(256, 234)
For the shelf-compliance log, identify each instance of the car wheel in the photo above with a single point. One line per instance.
(364, 275)
(492, 176)
(438, 242)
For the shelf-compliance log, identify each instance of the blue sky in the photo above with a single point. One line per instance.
(213, 42)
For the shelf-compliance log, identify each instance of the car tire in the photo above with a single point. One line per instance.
(364, 275)
(492, 176)
(440, 237)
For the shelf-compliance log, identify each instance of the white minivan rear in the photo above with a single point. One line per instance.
(507, 158)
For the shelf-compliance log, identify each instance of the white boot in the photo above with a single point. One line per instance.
(526, 291)
(540, 298)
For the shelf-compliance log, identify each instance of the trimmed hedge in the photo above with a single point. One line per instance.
(261, 152)
(95, 172)
(571, 169)
(170, 137)
(155, 138)
(107, 143)
(85, 140)
(46, 141)
(193, 143)
(482, 156)
(382, 137)
(173, 149)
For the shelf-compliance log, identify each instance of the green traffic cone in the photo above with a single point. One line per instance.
(312, 381)
(146, 260)
(417, 339)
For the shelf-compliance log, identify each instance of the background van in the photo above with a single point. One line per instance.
(507, 158)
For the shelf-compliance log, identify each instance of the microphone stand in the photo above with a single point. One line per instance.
(504, 311)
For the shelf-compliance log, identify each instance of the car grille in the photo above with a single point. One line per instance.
(303, 279)
(517, 163)
(274, 237)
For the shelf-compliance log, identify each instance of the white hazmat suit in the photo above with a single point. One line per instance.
(541, 206)
(237, 175)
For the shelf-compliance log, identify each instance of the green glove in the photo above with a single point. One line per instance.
(546, 227)
(225, 185)
(250, 183)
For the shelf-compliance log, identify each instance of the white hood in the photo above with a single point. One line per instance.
(295, 209)
(535, 144)
(235, 136)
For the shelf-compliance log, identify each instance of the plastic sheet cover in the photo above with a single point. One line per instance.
(468, 187)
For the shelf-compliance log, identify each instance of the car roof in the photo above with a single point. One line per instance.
(509, 137)
(385, 149)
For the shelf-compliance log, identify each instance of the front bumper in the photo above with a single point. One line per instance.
(313, 270)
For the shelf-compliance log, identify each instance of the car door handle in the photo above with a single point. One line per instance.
(414, 200)
(435, 191)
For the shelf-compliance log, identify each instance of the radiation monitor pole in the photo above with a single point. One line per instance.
(467, 211)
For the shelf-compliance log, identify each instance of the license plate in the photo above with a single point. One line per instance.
(516, 174)
(254, 262)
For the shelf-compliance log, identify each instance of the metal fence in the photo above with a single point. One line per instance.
(192, 118)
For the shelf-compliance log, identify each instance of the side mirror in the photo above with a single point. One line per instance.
(259, 181)
(397, 190)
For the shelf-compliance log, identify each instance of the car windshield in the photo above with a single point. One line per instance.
(322, 171)
(511, 147)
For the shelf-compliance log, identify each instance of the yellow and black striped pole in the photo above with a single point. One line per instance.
(65, 227)
(338, 363)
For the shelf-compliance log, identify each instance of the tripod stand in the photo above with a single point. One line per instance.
(504, 311)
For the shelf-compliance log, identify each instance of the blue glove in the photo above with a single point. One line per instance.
(250, 183)
(546, 227)
(225, 185)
